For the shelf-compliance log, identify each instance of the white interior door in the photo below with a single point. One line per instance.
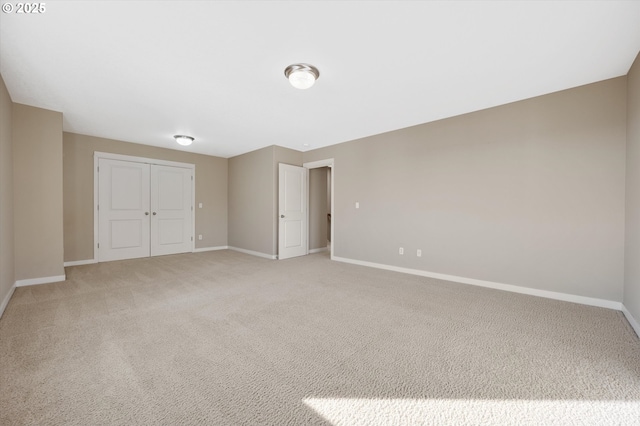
(123, 207)
(292, 201)
(171, 226)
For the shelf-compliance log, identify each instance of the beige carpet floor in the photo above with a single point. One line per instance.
(223, 338)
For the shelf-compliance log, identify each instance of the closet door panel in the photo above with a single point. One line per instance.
(123, 206)
(171, 217)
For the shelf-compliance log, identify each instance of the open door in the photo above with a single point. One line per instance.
(292, 211)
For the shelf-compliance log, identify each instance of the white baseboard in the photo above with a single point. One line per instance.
(5, 301)
(91, 261)
(318, 250)
(601, 303)
(634, 323)
(201, 249)
(80, 262)
(43, 280)
(254, 253)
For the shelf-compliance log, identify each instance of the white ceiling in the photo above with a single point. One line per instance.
(144, 71)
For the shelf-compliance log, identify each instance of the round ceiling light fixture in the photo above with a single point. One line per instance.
(301, 76)
(184, 140)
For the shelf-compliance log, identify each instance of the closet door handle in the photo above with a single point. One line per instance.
(154, 213)
(146, 213)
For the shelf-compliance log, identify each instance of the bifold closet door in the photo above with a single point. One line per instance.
(123, 209)
(171, 217)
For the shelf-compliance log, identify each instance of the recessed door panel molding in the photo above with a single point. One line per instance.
(126, 234)
(293, 200)
(126, 187)
(171, 181)
(142, 208)
(293, 234)
(171, 232)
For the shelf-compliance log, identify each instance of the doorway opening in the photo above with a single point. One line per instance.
(321, 206)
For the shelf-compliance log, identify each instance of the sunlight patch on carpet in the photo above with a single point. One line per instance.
(361, 411)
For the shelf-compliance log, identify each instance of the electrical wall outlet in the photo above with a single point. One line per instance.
(401, 251)
(200, 237)
(419, 253)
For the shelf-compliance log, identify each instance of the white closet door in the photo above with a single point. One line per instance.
(171, 217)
(123, 207)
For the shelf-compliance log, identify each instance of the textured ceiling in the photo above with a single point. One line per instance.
(142, 71)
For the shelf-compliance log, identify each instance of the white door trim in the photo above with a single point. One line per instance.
(315, 165)
(97, 155)
(111, 156)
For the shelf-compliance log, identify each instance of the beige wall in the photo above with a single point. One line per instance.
(37, 177)
(318, 208)
(251, 201)
(632, 247)
(7, 272)
(253, 198)
(211, 191)
(529, 194)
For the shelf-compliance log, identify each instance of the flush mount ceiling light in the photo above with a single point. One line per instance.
(301, 76)
(183, 140)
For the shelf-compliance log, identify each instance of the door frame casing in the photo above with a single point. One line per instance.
(329, 162)
(97, 156)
